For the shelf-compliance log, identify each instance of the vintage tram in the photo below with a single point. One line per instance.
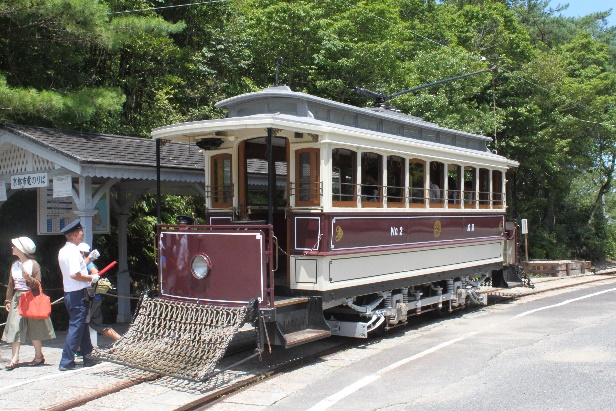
(329, 219)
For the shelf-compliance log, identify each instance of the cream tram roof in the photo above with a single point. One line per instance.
(297, 114)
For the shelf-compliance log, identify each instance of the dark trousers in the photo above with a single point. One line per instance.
(78, 335)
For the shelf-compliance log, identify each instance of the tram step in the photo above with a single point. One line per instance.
(298, 322)
(305, 336)
(507, 277)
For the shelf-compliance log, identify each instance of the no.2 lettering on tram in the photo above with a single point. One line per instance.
(321, 219)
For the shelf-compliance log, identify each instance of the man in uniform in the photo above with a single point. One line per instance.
(76, 281)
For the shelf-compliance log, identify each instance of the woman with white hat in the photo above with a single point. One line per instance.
(25, 275)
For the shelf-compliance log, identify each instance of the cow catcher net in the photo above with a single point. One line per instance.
(178, 339)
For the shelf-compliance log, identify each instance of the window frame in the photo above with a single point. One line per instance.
(498, 189)
(379, 183)
(315, 178)
(441, 186)
(423, 185)
(215, 192)
(345, 203)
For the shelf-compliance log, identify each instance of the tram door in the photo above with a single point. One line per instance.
(253, 191)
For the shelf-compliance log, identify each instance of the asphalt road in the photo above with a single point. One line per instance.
(550, 352)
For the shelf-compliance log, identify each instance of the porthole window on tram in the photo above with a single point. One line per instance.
(371, 179)
(484, 188)
(417, 181)
(307, 180)
(221, 187)
(470, 192)
(497, 189)
(344, 169)
(395, 181)
(437, 183)
(453, 185)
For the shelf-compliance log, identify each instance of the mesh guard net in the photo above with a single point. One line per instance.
(179, 339)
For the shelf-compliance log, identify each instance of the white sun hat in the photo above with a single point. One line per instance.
(25, 245)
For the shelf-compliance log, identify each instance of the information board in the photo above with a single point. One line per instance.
(56, 213)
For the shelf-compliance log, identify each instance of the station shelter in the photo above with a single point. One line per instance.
(85, 175)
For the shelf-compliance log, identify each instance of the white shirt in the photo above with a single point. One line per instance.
(17, 270)
(71, 262)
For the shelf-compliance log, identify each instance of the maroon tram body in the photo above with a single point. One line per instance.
(337, 220)
(232, 281)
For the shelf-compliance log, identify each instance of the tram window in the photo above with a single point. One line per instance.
(497, 189)
(395, 181)
(221, 187)
(344, 169)
(484, 188)
(417, 181)
(453, 185)
(437, 182)
(470, 196)
(257, 173)
(371, 179)
(307, 179)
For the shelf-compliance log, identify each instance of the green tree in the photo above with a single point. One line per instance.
(56, 59)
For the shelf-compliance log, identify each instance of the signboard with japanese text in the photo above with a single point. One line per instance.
(54, 213)
(29, 181)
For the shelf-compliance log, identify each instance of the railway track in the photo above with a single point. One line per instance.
(229, 382)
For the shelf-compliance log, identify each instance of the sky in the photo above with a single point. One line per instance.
(579, 8)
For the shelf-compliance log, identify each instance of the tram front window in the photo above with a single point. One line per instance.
(256, 173)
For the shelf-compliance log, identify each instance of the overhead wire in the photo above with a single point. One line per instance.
(465, 54)
(470, 55)
(201, 3)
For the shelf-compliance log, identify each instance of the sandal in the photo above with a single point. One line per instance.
(36, 361)
(11, 366)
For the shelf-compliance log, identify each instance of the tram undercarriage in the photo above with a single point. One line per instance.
(389, 309)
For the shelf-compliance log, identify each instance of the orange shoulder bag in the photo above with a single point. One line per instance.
(33, 306)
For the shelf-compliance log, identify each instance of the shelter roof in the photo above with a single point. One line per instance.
(105, 155)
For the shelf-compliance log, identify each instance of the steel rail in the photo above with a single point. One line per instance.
(102, 393)
(553, 289)
(217, 395)
(214, 397)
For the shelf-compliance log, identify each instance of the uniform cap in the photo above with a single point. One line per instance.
(24, 244)
(83, 247)
(75, 225)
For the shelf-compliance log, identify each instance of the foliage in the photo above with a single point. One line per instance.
(97, 66)
(60, 62)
